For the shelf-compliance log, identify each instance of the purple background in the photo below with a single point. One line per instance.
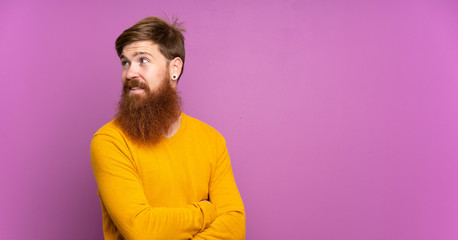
(341, 117)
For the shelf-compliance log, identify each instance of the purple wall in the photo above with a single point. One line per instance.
(341, 118)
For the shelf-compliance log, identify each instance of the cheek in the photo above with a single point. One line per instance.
(150, 76)
(123, 76)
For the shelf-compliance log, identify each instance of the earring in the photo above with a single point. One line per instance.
(174, 77)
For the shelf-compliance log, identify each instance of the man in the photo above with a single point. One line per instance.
(160, 173)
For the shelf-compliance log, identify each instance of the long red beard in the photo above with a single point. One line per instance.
(146, 118)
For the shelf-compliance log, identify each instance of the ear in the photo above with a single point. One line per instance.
(175, 67)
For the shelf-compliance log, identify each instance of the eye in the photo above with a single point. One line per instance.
(144, 60)
(124, 63)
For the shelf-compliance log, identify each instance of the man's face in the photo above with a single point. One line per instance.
(143, 67)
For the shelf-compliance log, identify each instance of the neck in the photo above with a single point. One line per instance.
(174, 128)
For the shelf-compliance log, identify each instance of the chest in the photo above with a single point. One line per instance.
(174, 175)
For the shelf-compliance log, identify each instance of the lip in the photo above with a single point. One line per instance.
(136, 90)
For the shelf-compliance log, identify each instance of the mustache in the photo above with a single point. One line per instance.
(135, 83)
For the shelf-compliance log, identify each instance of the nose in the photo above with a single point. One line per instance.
(132, 72)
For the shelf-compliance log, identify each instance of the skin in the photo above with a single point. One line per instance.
(143, 61)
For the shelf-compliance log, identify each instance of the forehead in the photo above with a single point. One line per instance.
(140, 47)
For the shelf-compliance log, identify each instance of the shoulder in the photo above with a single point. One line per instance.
(109, 142)
(202, 129)
(109, 128)
(110, 131)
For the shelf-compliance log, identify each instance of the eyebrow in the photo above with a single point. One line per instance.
(137, 53)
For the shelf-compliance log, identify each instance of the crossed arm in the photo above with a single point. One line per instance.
(122, 195)
(230, 220)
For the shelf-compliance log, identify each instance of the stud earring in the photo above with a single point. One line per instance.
(174, 77)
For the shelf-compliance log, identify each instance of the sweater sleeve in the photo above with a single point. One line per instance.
(224, 195)
(121, 191)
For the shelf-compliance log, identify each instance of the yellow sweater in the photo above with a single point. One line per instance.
(156, 192)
